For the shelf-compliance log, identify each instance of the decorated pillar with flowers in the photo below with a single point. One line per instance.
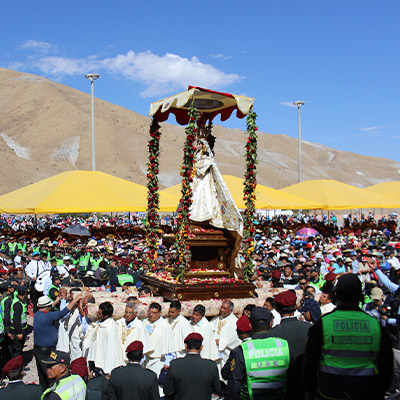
(249, 195)
(183, 254)
(153, 200)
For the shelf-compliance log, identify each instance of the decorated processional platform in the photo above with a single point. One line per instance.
(210, 229)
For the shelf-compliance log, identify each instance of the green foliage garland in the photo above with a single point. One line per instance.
(187, 171)
(153, 198)
(249, 195)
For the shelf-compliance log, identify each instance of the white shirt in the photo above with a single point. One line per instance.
(33, 269)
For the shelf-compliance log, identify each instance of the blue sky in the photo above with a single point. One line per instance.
(341, 58)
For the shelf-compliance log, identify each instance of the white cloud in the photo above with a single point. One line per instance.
(162, 74)
(220, 56)
(60, 66)
(38, 46)
(287, 104)
(373, 128)
(159, 74)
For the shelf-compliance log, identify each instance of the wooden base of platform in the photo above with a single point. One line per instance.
(181, 292)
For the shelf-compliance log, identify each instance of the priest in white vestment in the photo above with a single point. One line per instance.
(72, 329)
(162, 338)
(131, 328)
(224, 328)
(104, 348)
(180, 327)
(201, 325)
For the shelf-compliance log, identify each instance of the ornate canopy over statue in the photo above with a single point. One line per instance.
(210, 227)
(208, 102)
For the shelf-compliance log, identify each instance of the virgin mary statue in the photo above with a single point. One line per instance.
(212, 201)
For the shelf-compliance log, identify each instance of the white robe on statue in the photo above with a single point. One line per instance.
(104, 348)
(225, 332)
(135, 330)
(180, 328)
(162, 338)
(212, 201)
(210, 349)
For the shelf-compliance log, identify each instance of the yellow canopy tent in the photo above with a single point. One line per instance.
(334, 195)
(388, 189)
(80, 191)
(266, 197)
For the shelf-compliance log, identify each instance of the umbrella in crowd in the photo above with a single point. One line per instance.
(307, 232)
(77, 230)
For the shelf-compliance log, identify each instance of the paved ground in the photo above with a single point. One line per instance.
(31, 375)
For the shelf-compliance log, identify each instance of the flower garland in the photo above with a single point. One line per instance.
(153, 198)
(187, 171)
(249, 195)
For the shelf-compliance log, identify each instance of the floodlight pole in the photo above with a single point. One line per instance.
(92, 78)
(298, 104)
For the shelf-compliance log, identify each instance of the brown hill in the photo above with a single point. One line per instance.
(45, 128)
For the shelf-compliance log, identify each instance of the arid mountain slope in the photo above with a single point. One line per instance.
(45, 128)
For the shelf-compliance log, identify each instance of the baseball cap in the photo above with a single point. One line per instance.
(260, 314)
(57, 357)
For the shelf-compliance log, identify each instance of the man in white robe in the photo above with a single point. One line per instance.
(73, 328)
(104, 348)
(180, 327)
(162, 339)
(131, 328)
(224, 328)
(201, 325)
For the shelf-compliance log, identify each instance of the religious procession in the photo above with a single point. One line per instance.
(208, 302)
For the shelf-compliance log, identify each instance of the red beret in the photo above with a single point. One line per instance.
(135, 346)
(243, 324)
(79, 367)
(193, 335)
(286, 299)
(14, 363)
(73, 271)
(276, 274)
(330, 277)
(3, 271)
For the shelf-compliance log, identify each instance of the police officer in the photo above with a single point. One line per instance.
(66, 385)
(348, 354)
(133, 381)
(18, 321)
(55, 288)
(16, 389)
(258, 367)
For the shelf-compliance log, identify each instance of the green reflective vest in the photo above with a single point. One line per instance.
(36, 248)
(94, 263)
(124, 278)
(24, 315)
(57, 291)
(60, 261)
(11, 248)
(267, 362)
(70, 387)
(22, 246)
(351, 343)
(83, 262)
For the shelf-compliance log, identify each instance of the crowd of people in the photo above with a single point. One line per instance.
(332, 331)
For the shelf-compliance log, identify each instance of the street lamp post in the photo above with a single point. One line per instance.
(92, 78)
(298, 104)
